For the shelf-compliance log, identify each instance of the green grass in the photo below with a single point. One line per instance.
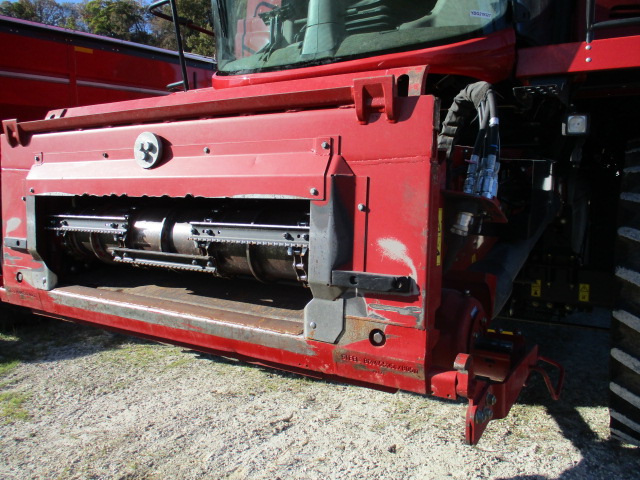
(11, 407)
(8, 365)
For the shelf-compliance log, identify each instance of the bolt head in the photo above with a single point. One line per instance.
(378, 338)
(325, 145)
(314, 191)
(312, 325)
(362, 207)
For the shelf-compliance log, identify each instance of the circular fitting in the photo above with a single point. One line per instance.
(19, 277)
(377, 338)
(312, 325)
(313, 191)
(147, 149)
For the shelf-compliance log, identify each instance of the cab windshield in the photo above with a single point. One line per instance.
(257, 35)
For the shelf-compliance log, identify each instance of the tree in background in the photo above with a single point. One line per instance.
(48, 12)
(123, 19)
(198, 12)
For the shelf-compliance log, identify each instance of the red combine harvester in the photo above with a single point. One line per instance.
(366, 186)
(43, 68)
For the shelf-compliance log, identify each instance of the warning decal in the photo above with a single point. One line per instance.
(536, 288)
(584, 292)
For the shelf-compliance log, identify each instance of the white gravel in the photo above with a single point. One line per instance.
(104, 406)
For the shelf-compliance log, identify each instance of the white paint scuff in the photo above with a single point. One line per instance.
(394, 249)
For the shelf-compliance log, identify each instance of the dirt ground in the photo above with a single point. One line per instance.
(80, 403)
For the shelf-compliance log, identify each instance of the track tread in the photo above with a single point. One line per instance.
(627, 319)
(624, 402)
(625, 394)
(627, 360)
(623, 437)
(629, 233)
(635, 426)
(628, 275)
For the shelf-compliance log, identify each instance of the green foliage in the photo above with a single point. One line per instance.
(123, 19)
(42, 11)
(197, 11)
(7, 365)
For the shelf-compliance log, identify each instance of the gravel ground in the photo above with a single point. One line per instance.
(80, 403)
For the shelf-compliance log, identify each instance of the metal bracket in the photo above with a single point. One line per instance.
(16, 243)
(492, 401)
(372, 282)
(15, 136)
(372, 95)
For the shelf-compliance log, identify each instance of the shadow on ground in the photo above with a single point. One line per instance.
(584, 352)
(27, 338)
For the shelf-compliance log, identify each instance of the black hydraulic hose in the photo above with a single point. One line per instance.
(475, 99)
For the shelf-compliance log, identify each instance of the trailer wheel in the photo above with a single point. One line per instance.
(624, 404)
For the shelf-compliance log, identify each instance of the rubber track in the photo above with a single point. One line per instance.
(625, 326)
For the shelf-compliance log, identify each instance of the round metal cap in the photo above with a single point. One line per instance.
(147, 149)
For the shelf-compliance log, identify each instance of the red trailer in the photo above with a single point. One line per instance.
(43, 68)
(366, 186)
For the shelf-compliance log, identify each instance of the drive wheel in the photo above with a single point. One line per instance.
(624, 401)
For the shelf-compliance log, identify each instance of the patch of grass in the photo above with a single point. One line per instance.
(178, 363)
(138, 355)
(8, 365)
(11, 407)
(8, 337)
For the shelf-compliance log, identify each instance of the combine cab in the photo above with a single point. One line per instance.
(365, 187)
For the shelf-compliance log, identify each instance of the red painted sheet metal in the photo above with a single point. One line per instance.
(290, 168)
(43, 68)
(392, 162)
(605, 54)
(490, 58)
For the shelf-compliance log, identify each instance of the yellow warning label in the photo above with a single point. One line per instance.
(584, 292)
(536, 288)
(439, 240)
(83, 49)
